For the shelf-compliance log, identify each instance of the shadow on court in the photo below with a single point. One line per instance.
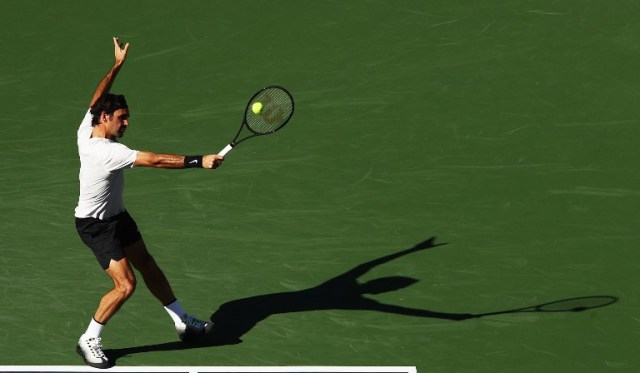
(236, 318)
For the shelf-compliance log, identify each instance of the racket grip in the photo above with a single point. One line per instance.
(225, 150)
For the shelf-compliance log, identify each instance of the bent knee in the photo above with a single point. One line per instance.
(127, 287)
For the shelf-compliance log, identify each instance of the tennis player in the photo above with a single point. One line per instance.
(107, 228)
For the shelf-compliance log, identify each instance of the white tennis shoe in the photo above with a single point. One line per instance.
(90, 349)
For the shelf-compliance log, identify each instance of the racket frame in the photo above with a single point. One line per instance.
(254, 133)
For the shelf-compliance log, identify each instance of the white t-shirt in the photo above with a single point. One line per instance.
(102, 164)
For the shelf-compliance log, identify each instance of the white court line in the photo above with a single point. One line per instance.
(208, 369)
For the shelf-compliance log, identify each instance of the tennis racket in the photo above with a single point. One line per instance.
(276, 108)
(566, 305)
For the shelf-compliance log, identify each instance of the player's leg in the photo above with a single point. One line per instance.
(102, 237)
(187, 326)
(124, 284)
(153, 277)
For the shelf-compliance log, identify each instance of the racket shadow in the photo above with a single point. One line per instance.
(233, 319)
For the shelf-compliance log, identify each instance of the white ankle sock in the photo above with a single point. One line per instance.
(175, 311)
(94, 329)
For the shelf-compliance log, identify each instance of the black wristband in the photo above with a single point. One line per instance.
(192, 161)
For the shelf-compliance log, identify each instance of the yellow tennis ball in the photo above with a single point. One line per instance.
(256, 107)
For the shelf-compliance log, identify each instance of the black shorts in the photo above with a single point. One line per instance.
(108, 238)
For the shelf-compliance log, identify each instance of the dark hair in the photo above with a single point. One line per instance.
(107, 103)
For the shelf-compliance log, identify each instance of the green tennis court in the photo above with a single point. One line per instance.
(505, 131)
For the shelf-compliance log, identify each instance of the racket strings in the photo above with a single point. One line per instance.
(276, 110)
(577, 304)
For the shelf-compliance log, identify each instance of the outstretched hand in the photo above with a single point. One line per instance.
(120, 51)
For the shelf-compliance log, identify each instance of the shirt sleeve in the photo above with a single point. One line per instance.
(85, 126)
(118, 156)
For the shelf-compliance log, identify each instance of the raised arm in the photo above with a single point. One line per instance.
(105, 84)
(366, 267)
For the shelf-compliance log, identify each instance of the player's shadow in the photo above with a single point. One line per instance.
(236, 318)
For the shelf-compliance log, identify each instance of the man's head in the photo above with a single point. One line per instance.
(108, 104)
(113, 111)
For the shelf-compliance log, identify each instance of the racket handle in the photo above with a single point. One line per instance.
(225, 150)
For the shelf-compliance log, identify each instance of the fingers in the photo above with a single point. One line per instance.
(116, 42)
(120, 51)
(212, 161)
(217, 160)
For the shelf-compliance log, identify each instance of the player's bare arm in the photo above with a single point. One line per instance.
(120, 54)
(149, 159)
